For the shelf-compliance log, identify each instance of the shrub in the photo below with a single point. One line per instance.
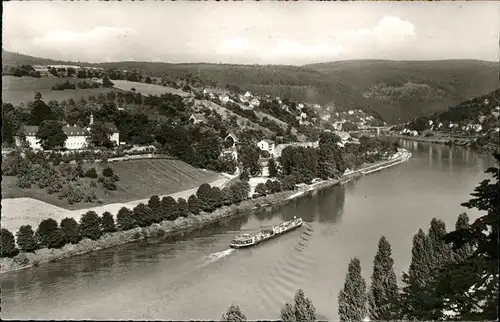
(193, 205)
(109, 184)
(90, 225)
(107, 172)
(125, 219)
(49, 235)
(70, 230)
(21, 259)
(183, 207)
(91, 173)
(244, 176)
(7, 244)
(260, 189)
(26, 239)
(107, 223)
(13, 164)
(73, 192)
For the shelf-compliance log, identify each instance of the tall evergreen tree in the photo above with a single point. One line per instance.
(416, 292)
(26, 239)
(352, 298)
(383, 297)
(301, 310)
(169, 207)
(272, 168)
(233, 314)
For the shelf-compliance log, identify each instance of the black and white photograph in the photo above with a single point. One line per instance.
(250, 160)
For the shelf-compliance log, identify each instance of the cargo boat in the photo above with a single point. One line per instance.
(247, 240)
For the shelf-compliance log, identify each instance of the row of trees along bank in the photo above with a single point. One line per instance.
(50, 234)
(452, 275)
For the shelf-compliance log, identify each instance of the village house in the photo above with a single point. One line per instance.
(243, 99)
(248, 95)
(267, 145)
(254, 103)
(197, 118)
(231, 141)
(77, 136)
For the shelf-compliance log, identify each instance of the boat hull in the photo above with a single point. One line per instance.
(257, 242)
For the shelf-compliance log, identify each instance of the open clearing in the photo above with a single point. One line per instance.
(147, 89)
(16, 90)
(139, 179)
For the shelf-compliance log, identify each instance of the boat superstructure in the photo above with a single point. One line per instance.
(247, 240)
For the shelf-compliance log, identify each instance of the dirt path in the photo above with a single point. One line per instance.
(27, 211)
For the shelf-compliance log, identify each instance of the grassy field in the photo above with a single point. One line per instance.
(147, 89)
(16, 90)
(139, 179)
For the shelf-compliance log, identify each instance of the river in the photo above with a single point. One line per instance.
(198, 276)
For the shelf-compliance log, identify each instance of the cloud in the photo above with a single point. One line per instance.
(292, 48)
(104, 42)
(234, 46)
(388, 29)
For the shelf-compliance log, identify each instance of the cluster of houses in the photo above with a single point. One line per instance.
(275, 150)
(45, 70)
(77, 136)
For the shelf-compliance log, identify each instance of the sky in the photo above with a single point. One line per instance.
(292, 33)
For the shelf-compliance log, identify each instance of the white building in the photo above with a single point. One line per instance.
(267, 145)
(197, 118)
(248, 95)
(254, 103)
(77, 136)
(232, 150)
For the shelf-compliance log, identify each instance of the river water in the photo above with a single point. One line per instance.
(198, 276)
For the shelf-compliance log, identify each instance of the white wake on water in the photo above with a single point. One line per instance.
(216, 256)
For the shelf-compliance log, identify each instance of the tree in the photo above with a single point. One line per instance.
(49, 235)
(169, 208)
(38, 96)
(383, 298)
(7, 244)
(301, 310)
(106, 82)
(91, 173)
(193, 205)
(51, 135)
(125, 219)
(183, 207)
(143, 215)
(155, 204)
(100, 136)
(272, 167)
(107, 223)
(416, 291)
(70, 230)
(352, 298)
(148, 80)
(233, 314)
(40, 112)
(216, 197)
(26, 239)
(204, 197)
(90, 225)
(482, 235)
(248, 155)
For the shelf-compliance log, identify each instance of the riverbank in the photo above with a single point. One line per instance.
(181, 225)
